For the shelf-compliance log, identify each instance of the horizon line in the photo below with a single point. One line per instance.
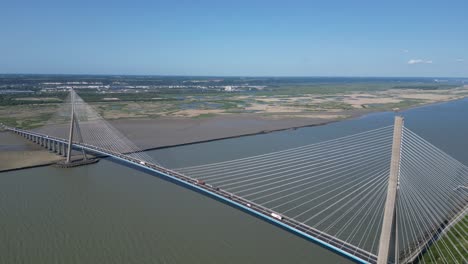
(233, 76)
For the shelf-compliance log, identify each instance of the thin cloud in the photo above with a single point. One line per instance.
(419, 61)
(405, 51)
(459, 60)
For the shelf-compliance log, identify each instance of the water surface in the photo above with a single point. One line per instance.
(107, 213)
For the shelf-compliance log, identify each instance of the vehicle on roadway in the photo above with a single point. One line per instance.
(277, 216)
(200, 182)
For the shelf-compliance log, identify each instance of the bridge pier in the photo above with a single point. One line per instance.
(67, 151)
(63, 149)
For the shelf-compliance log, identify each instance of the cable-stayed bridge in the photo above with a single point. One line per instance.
(380, 196)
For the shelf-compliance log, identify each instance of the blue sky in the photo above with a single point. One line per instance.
(240, 38)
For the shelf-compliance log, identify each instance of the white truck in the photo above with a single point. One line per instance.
(277, 216)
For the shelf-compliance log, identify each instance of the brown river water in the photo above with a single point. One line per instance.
(108, 213)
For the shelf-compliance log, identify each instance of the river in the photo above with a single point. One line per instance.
(107, 213)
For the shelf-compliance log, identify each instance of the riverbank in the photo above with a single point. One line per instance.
(150, 134)
(18, 153)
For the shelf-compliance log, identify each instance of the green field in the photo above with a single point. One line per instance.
(450, 248)
(273, 97)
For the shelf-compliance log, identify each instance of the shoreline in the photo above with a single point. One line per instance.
(351, 116)
(249, 134)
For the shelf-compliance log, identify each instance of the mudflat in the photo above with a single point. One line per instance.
(17, 152)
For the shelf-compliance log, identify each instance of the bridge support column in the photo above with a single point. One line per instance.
(64, 152)
(72, 123)
(389, 225)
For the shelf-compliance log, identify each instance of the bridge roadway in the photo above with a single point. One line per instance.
(336, 245)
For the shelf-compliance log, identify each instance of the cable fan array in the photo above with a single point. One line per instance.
(91, 128)
(337, 186)
(432, 203)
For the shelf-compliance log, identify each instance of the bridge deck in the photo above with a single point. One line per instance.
(335, 244)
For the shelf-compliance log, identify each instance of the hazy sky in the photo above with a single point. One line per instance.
(236, 37)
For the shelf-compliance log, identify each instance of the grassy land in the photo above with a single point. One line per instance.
(323, 88)
(446, 248)
(298, 99)
(402, 105)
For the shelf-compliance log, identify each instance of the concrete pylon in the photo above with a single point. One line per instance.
(389, 225)
(72, 124)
